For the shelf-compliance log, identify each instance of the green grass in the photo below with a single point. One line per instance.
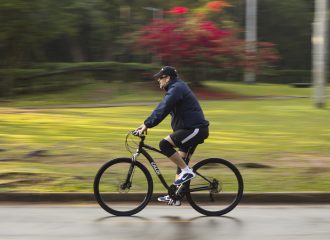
(262, 89)
(98, 92)
(291, 136)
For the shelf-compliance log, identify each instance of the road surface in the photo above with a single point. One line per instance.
(164, 222)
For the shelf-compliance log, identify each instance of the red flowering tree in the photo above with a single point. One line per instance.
(188, 39)
(179, 10)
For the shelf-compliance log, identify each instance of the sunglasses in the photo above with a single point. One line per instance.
(162, 77)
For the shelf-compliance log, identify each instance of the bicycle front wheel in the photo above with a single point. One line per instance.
(119, 193)
(217, 188)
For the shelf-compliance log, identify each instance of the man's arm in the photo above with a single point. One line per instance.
(140, 130)
(164, 107)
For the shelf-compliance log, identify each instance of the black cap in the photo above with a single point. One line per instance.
(167, 71)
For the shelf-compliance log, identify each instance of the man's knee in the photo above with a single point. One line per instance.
(166, 148)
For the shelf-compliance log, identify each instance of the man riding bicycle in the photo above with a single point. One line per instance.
(190, 128)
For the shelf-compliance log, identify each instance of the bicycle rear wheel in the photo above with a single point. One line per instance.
(217, 188)
(118, 196)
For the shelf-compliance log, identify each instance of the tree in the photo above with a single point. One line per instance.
(27, 26)
(187, 38)
(43, 30)
(293, 23)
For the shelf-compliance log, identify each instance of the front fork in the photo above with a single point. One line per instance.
(128, 182)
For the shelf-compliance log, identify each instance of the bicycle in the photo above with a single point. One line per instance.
(216, 190)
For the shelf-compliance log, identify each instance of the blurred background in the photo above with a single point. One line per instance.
(75, 78)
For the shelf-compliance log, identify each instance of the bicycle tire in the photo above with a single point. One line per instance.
(108, 203)
(211, 162)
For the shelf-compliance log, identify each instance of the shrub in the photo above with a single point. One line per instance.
(56, 76)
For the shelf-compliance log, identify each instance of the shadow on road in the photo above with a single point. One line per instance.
(122, 218)
(171, 219)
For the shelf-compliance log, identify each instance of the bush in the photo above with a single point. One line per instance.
(197, 75)
(9, 79)
(56, 76)
(286, 76)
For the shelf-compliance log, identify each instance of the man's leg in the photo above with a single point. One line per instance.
(183, 156)
(167, 147)
(186, 172)
(176, 157)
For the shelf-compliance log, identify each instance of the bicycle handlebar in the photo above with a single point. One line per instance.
(136, 134)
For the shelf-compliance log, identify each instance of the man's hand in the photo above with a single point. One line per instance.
(140, 130)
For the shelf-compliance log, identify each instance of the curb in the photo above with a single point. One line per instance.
(248, 198)
(287, 198)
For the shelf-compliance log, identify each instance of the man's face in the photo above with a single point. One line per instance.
(163, 81)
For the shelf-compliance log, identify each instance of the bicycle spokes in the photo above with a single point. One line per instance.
(216, 188)
(119, 187)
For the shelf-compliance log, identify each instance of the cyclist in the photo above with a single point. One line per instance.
(190, 128)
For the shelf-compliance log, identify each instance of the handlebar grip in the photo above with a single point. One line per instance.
(135, 133)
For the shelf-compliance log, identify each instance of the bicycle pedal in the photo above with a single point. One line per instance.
(174, 203)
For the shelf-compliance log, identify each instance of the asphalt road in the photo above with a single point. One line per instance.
(163, 222)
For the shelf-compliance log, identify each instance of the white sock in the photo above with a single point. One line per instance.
(186, 170)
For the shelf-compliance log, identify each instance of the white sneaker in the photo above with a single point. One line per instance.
(164, 198)
(167, 199)
(185, 177)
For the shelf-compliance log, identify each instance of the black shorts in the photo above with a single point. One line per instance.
(189, 138)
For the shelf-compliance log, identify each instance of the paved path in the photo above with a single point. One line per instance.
(163, 222)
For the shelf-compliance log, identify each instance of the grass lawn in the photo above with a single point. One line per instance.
(290, 136)
(99, 92)
(262, 89)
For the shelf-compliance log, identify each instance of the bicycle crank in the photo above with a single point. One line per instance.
(176, 192)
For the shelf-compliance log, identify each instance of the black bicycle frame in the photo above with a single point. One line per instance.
(153, 163)
(157, 170)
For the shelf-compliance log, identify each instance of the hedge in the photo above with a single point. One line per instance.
(56, 76)
(286, 76)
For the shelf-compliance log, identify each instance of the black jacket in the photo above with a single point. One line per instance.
(183, 106)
